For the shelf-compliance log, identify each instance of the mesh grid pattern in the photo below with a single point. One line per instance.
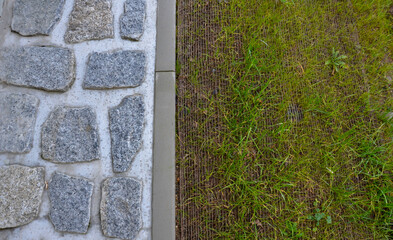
(199, 80)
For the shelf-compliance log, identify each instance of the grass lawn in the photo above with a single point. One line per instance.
(283, 119)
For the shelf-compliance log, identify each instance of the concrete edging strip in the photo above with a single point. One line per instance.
(164, 167)
(163, 207)
(166, 36)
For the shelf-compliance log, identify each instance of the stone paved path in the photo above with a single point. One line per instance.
(76, 118)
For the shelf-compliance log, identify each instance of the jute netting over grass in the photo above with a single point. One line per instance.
(283, 119)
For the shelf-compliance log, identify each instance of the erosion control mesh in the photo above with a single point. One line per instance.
(306, 150)
(197, 35)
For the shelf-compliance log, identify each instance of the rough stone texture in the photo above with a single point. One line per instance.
(21, 191)
(70, 135)
(47, 68)
(1, 7)
(36, 17)
(120, 207)
(70, 199)
(90, 20)
(126, 129)
(133, 19)
(17, 121)
(115, 70)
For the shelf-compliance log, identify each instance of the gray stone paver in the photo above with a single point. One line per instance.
(115, 70)
(21, 191)
(133, 19)
(46, 68)
(126, 129)
(90, 20)
(70, 135)
(70, 199)
(18, 114)
(36, 17)
(120, 207)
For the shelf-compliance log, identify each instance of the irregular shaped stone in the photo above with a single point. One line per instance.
(120, 207)
(133, 19)
(115, 70)
(70, 199)
(47, 68)
(90, 20)
(36, 17)
(126, 128)
(18, 114)
(21, 191)
(70, 135)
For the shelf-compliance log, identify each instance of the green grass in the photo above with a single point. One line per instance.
(304, 152)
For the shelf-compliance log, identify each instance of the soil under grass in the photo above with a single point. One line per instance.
(272, 142)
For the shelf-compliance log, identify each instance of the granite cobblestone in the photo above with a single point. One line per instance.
(133, 19)
(70, 199)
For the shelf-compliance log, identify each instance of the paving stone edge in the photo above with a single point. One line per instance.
(163, 198)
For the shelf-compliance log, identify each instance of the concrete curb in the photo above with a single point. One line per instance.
(163, 207)
(163, 196)
(166, 36)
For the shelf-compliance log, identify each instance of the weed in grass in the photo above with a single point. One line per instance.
(288, 2)
(336, 61)
(318, 216)
(292, 232)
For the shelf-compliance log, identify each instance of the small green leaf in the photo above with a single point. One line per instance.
(319, 216)
(315, 229)
(329, 220)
